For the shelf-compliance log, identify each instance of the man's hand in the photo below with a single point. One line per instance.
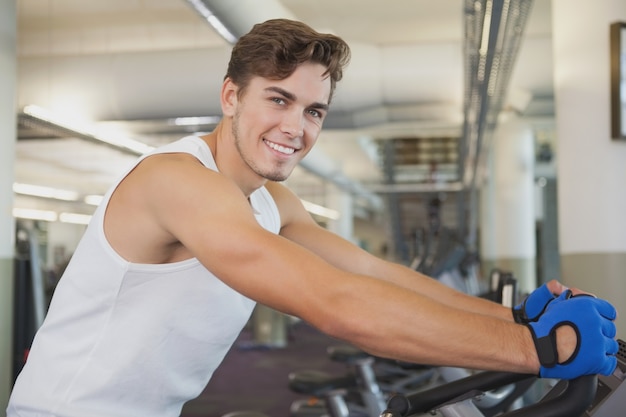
(533, 306)
(593, 349)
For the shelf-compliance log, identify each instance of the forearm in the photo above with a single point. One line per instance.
(417, 328)
(346, 256)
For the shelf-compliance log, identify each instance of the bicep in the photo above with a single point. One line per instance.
(218, 227)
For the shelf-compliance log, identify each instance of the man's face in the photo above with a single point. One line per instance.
(277, 122)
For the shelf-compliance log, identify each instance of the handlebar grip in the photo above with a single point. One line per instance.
(424, 401)
(572, 401)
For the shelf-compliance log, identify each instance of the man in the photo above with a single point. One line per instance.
(187, 241)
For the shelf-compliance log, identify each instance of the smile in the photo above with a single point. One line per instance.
(279, 148)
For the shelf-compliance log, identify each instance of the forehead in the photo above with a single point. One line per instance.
(307, 83)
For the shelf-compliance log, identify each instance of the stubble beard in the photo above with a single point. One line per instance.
(276, 175)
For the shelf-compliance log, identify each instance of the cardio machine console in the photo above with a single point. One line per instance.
(610, 400)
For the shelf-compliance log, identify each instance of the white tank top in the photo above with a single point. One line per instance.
(127, 339)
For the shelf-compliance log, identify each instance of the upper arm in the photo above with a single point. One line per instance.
(298, 226)
(208, 214)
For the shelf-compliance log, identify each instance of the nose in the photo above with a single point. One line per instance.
(293, 124)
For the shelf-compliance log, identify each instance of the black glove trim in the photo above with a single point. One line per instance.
(546, 347)
(518, 314)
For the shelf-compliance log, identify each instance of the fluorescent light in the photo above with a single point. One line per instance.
(93, 200)
(67, 123)
(33, 214)
(51, 216)
(219, 27)
(45, 192)
(121, 141)
(81, 128)
(484, 41)
(321, 210)
(194, 121)
(75, 218)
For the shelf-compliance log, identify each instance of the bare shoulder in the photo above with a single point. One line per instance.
(158, 206)
(289, 204)
(281, 194)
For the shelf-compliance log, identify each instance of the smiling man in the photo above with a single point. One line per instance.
(196, 232)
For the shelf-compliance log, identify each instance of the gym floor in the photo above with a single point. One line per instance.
(253, 378)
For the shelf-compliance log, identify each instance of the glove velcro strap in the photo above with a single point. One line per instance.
(539, 301)
(546, 347)
(518, 315)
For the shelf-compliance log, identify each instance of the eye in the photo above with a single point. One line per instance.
(316, 113)
(278, 100)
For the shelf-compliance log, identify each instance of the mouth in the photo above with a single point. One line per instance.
(285, 150)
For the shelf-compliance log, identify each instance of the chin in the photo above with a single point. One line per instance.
(277, 176)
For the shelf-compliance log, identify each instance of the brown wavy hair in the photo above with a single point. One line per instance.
(275, 48)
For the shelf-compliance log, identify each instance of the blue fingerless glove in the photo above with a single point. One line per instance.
(533, 306)
(592, 319)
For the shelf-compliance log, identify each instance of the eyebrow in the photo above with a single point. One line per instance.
(292, 97)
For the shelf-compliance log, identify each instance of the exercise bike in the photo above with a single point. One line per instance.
(363, 391)
(587, 396)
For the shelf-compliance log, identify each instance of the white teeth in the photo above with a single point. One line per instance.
(279, 148)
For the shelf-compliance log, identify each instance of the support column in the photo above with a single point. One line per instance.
(548, 241)
(342, 202)
(8, 82)
(591, 170)
(507, 210)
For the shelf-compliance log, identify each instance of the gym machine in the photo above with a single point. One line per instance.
(587, 396)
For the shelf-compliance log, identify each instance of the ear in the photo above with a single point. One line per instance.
(228, 97)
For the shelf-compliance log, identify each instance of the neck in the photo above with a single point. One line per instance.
(228, 160)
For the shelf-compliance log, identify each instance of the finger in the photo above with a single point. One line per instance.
(555, 287)
(605, 308)
(611, 346)
(564, 295)
(608, 328)
(578, 291)
(608, 366)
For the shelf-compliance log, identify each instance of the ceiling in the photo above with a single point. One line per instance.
(133, 66)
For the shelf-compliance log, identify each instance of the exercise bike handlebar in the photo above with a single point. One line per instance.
(573, 401)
